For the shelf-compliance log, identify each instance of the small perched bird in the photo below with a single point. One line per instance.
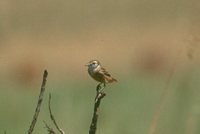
(97, 72)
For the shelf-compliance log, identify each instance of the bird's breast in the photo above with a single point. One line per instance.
(95, 75)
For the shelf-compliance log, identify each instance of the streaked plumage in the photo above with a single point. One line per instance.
(97, 72)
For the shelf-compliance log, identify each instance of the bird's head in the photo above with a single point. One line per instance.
(93, 64)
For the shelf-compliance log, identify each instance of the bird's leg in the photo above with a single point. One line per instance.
(104, 85)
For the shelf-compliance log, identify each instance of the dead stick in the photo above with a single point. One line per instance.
(100, 94)
(37, 110)
(49, 129)
(52, 117)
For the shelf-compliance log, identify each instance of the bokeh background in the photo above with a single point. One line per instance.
(137, 41)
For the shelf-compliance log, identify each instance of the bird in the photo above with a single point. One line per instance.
(98, 73)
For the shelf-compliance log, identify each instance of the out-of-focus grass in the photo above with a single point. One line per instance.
(127, 108)
(63, 35)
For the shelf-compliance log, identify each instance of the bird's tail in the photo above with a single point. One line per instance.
(111, 79)
(114, 80)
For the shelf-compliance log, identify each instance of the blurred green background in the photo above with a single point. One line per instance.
(137, 41)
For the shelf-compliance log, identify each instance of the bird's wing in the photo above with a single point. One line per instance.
(107, 76)
(104, 72)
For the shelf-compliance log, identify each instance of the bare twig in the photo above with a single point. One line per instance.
(37, 110)
(49, 129)
(99, 95)
(52, 117)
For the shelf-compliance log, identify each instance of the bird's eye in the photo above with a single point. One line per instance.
(93, 63)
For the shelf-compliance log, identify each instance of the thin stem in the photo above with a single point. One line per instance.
(52, 117)
(163, 97)
(37, 110)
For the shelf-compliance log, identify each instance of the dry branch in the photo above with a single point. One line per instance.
(49, 129)
(99, 95)
(37, 110)
(53, 119)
